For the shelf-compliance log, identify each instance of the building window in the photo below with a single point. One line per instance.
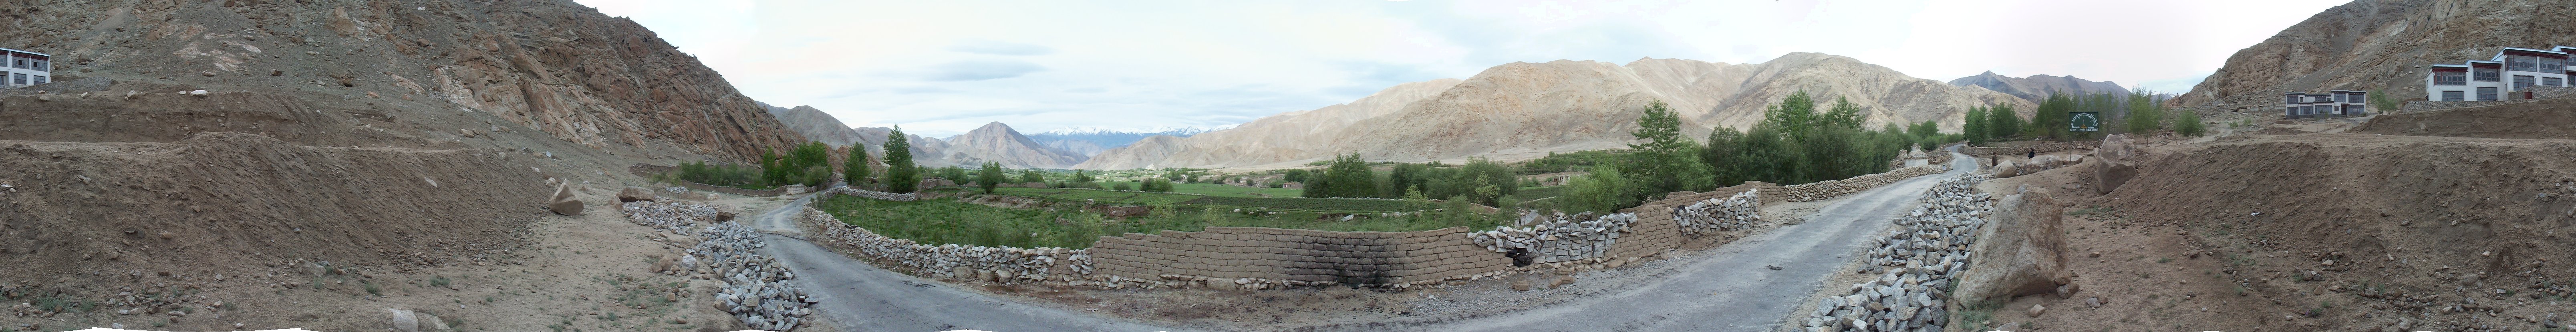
(2486, 93)
(2450, 78)
(40, 65)
(40, 80)
(2522, 62)
(20, 63)
(18, 79)
(2488, 75)
(2352, 109)
(2552, 81)
(2523, 81)
(2552, 65)
(2290, 99)
(2454, 95)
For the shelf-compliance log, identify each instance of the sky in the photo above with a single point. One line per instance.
(942, 68)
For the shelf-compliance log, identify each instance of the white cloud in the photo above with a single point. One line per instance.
(944, 67)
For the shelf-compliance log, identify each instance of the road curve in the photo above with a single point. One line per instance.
(1733, 291)
(861, 297)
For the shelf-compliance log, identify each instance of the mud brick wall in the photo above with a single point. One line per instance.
(1264, 258)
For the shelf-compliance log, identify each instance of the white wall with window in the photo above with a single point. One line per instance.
(25, 68)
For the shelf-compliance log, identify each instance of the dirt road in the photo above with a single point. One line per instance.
(1733, 290)
(861, 297)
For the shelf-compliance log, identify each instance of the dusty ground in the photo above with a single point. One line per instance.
(2299, 227)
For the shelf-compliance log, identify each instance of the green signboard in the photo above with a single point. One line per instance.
(2084, 121)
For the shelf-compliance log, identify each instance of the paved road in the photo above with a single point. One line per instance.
(1733, 291)
(1725, 292)
(861, 297)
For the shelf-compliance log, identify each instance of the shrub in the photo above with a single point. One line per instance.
(1160, 185)
(991, 176)
(1122, 185)
(2188, 124)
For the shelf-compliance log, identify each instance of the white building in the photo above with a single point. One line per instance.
(27, 68)
(2512, 69)
(2332, 104)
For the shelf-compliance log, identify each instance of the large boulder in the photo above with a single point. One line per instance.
(632, 193)
(563, 202)
(2119, 156)
(2021, 252)
(2006, 169)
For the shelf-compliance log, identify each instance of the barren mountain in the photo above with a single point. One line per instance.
(814, 125)
(997, 142)
(926, 151)
(2380, 45)
(556, 66)
(1286, 136)
(1089, 142)
(2038, 87)
(1528, 108)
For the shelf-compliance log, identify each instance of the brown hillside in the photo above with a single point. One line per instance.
(2380, 45)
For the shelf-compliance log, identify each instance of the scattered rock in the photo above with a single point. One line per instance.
(563, 202)
(2035, 310)
(631, 194)
(1521, 286)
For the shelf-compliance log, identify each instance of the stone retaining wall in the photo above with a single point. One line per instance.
(997, 264)
(904, 197)
(1981, 151)
(1916, 263)
(650, 171)
(1829, 189)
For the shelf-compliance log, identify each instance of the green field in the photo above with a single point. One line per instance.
(1232, 190)
(1535, 193)
(1282, 203)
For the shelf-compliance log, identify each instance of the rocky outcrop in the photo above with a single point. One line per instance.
(552, 65)
(1531, 108)
(997, 142)
(2022, 252)
(2378, 45)
(2038, 87)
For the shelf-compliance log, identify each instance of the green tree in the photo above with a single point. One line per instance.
(1407, 177)
(1293, 175)
(1720, 153)
(1160, 185)
(1661, 163)
(1079, 176)
(855, 169)
(2145, 114)
(955, 174)
(2005, 122)
(902, 176)
(1027, 176)
(991, 176)
(1348, 176)
(1974, 124)
(1485, 182)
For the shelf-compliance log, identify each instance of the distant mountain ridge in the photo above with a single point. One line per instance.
(1091, 141)
(2038, 87)
(1527, 109)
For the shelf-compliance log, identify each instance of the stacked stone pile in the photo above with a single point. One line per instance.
(997, 264)
(1559, 239)
(1824, 190)
(677, 218)
(1916, 265)
(756, 289)
(1720, 214)
(904, 197)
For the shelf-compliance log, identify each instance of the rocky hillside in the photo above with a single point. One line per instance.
(997, 142)
(2037, 87)
(814, 125)
(553, 65)
(1532, 108)
(1088, 142)
(2379, 45)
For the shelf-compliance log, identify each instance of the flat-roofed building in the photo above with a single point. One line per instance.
(27, 68)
